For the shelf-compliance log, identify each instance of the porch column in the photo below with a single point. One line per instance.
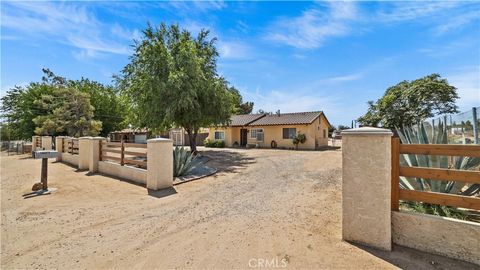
(366, 187)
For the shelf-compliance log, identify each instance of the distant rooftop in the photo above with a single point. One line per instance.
(131, 130)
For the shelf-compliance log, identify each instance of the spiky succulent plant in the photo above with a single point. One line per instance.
(438, 135)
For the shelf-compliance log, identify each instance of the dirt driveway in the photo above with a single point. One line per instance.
(264, 205)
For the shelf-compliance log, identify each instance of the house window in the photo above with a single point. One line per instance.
(289, 133)
(219, 135)
(257, 134)
(324, 133)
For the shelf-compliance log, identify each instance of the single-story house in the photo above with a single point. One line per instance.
(274, 130)
(129, 135)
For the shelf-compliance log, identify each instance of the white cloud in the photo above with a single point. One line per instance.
(66, 23)
(124, 33)
(190, 7)
(343, 78)
(234, 50)
(336, 19)
(405, 11)
(445, 16)
(288, 101)
(467, 82)
(457, 22)
(314, 26)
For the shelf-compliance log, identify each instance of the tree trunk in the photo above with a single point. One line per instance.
(192, 137)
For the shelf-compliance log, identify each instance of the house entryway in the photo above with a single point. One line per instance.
(243, 137)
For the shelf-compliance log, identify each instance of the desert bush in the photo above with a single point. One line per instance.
(214, 143)
(300, 138)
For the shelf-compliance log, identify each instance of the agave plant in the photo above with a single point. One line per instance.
(418, 135)
(183, 161)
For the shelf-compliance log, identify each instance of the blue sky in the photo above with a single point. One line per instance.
(292, 56)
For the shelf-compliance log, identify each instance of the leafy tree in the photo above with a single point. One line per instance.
(408, 103)
(109, 106)
(172, 80)
(342, 127)
(240, 106)
(71, 113)
(43, 105)
(20, 106)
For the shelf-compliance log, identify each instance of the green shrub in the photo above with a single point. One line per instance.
(214, 143)
(219, 144)
(300, 138)
(183, 161)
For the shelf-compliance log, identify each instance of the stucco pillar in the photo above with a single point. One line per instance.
(159, 163)
(94, 153)
(59, 147)
(366, 187)
(84, 152)
(34, 142)
(46, 142)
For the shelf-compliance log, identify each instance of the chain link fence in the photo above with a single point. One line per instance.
(462, 128)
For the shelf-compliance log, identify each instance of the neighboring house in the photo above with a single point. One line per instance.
(270, 130)
(177, 135)
(180, 137)
(129, 135)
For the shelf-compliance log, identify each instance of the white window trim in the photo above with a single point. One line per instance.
(215, 137)
(256, 131)
(293, 134)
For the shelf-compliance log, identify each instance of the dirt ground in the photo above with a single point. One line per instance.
(276, 206)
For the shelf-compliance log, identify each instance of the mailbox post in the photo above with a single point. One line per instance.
(44, 155)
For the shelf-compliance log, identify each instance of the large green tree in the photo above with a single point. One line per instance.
(240, 106)
(172, 80)
(39, 105)
(71, 114)
(110, 108)
(411, 102)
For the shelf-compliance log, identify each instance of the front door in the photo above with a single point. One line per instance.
(243, 137)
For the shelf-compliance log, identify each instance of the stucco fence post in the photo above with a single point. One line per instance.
(84, 152)
(94, 153)
(159, 163)
(46, 142)
(34, 142)
(366, 187)
(59, 147)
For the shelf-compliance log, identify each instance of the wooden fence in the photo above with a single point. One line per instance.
(38, 142)
(124, 153)
(436, 174)
(71, 146)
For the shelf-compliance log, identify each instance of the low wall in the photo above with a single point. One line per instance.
(130, 173)
(70, 159)
(445, 236)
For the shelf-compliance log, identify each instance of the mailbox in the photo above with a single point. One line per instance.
(45, 154)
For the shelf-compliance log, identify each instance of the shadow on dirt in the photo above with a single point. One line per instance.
(227, 161)
(162, 193)
(408, 258)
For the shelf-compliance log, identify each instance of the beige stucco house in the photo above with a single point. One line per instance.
(274, 130)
